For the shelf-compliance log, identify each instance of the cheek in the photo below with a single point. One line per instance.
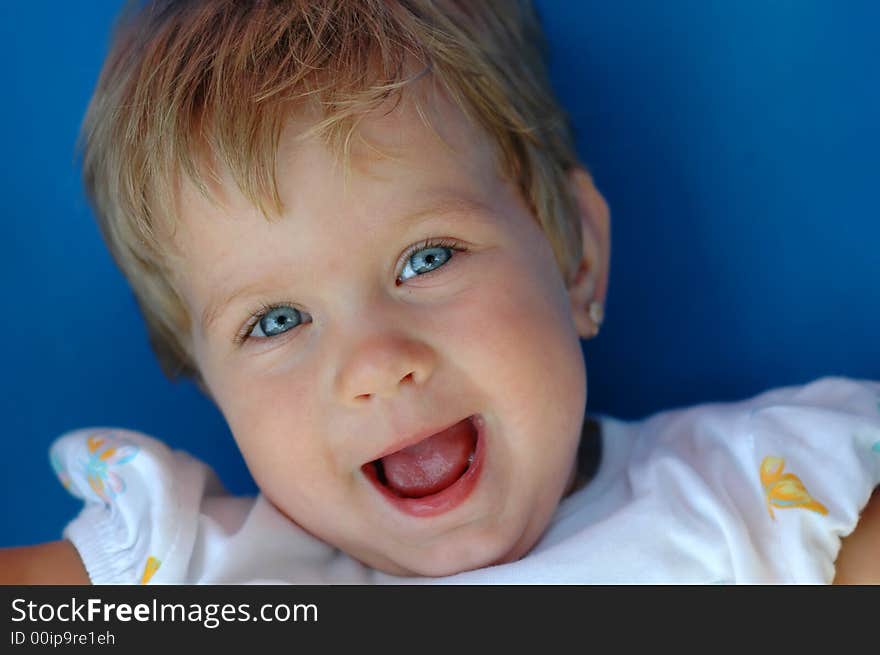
(272, 418)
(525, 321)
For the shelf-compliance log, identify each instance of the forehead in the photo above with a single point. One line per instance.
(391, 143)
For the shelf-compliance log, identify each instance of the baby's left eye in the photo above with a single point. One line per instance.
(426, 259)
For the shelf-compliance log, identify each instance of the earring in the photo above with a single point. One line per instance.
(597, 315)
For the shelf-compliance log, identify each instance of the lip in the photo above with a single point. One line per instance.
(420, 436)
(442, 501)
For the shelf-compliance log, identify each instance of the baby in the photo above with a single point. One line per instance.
(362, 228)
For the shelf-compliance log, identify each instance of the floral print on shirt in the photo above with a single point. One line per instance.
(785, 490)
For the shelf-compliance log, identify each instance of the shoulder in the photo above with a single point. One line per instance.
(828, 414)
(142, 503)
(786, 474)
(109, 465)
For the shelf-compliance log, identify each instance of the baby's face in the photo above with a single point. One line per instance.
(414, 295)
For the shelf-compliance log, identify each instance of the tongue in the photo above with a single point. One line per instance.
(432, 464)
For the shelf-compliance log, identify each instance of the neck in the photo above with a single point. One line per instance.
(585, 464)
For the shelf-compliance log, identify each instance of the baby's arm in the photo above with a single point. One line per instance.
(859, 559)
(55, 562)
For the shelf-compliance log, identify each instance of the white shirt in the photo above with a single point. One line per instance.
(758, 491)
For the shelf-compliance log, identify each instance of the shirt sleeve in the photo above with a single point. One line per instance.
(142, 502)
(815, 460)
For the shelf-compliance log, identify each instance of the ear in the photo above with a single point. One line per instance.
(589, 282)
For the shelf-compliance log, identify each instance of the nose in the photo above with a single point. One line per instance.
(379, 366)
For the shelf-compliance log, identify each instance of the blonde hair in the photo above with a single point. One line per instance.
(190, 80)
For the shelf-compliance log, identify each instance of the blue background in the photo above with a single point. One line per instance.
(736, 142)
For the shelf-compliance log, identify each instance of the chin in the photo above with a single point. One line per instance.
(448, 559)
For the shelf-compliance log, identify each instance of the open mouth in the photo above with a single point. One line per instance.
(434, 474)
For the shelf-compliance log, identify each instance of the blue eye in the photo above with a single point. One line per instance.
(425, 260)
(270, 320)
(277, 320)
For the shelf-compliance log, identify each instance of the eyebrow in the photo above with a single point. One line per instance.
(462, 208)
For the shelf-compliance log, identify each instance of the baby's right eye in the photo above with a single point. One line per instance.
(276, 320)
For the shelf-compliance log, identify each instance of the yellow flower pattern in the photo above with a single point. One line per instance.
(785, 490)
(150, 568)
